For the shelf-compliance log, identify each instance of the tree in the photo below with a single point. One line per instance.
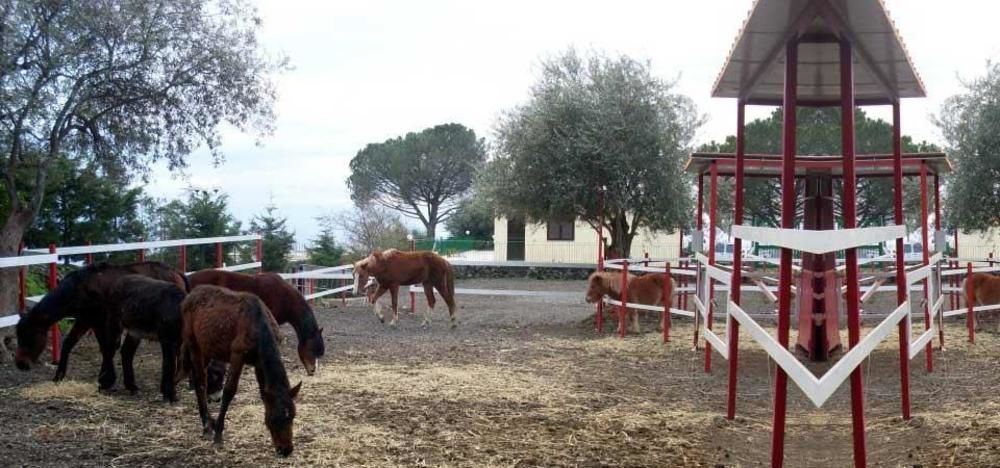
(371, 228)
(422, 175)
(818, 133)
(277, 239)
(473, 218)
(325, 250)
(592, 122)
(968, 122)
(203, 214)
(119, 84)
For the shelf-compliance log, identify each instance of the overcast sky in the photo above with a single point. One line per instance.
(366, 71)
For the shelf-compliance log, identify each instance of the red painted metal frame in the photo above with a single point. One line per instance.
(734, 326)
(851, 255)
(699, 224)
(713, 202)
(929, 350)
(54, 337)
(218, 255)
(785, 269)
(901, 292)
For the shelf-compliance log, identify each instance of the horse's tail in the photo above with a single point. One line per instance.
(184, 365)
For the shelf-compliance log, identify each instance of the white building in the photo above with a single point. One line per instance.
(564, 242)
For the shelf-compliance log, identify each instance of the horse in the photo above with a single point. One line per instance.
(282, 299)
(982, 289)
(237, 326)
(149, 309)
(393, 268)
(84, 295)
(646, 289)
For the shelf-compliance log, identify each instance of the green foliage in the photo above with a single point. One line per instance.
(593, 121)
(473, 218)
(277, 239)
(970, 123)
(818, 133)
(203, 214)
(421, 175)
(325, 250)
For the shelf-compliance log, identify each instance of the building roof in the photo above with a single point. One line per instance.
(754, 71)
(866, 165)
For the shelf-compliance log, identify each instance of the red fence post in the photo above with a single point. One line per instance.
(260, 253)
(141, 254)
(413, 296)
(713, 201)
(970, 315)
(666, 304)
(183, 261)
(599, 318)
(622, 312)
(645, 261)
(22, 284)
(924, 237)
(218, 255)
(90, 255)
(53, 281)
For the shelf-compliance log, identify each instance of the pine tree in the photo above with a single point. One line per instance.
(324, 249)
(278, 240)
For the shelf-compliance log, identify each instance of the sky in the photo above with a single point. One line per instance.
(366, 71)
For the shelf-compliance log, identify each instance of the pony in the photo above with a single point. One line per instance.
(646, 289)
(982, 289)
(84, 295)
(393, 268)
(149, 309)
(236, 326)
(285, 303)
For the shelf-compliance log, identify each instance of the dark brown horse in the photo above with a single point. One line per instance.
(149, 309)
(237, 327)
(284, 301)
(85, 295)
(393, 268)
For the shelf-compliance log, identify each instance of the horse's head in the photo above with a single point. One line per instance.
(279, 413)
(30, 343)
(370, 265)
(310, 350)
(596, 287)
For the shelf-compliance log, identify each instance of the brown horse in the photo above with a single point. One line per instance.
(982, 289)
(393, 268)
(646, 289)
(237, 327)
(284, 301)
(85, 295)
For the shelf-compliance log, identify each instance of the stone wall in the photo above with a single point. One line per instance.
(542, 273)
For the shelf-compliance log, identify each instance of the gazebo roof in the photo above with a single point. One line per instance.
(866, 165)
(883, 70)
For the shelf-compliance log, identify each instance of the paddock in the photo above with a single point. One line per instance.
(523, 381)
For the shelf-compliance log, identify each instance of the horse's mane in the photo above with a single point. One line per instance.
(610, 279)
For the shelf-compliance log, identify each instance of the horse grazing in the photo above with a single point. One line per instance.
(982, 289)
(84, 295)
(285, 303)
(149, 309)
(237, 327)
(646, 289)
(393, 268)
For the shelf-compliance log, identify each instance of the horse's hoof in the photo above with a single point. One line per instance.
(59, 376)
(392, 324)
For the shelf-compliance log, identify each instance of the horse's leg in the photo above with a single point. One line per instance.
(109, 340)
(429, 292)
(232, 383)
(198, 377)
(377, 308)
(168, 367)
(394, 290)
(129, 347)
(449, 299)
(77, 331)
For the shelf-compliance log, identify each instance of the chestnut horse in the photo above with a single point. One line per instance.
(237, 327)
(149, 309)
(85, 295)
(982, 289)
(393, 268)
(646, 289)
(284, 301)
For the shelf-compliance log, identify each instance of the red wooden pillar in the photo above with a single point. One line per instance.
(142, 252)
(599, 318)
(713, 198)
(622, 311)
(218, 255)
(260, 253)
(901, 289)
(90, 256)
(699, 223)
(734, 326)
(970, 315)
(929, 350)
(665, 323)
(184, 260)
(785, 268)
(22, 293)
(851, 255)
(53, 282)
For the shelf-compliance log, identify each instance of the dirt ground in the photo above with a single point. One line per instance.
(522, 381)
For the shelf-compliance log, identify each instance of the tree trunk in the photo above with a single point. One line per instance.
(10, 239)
(431, 228)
